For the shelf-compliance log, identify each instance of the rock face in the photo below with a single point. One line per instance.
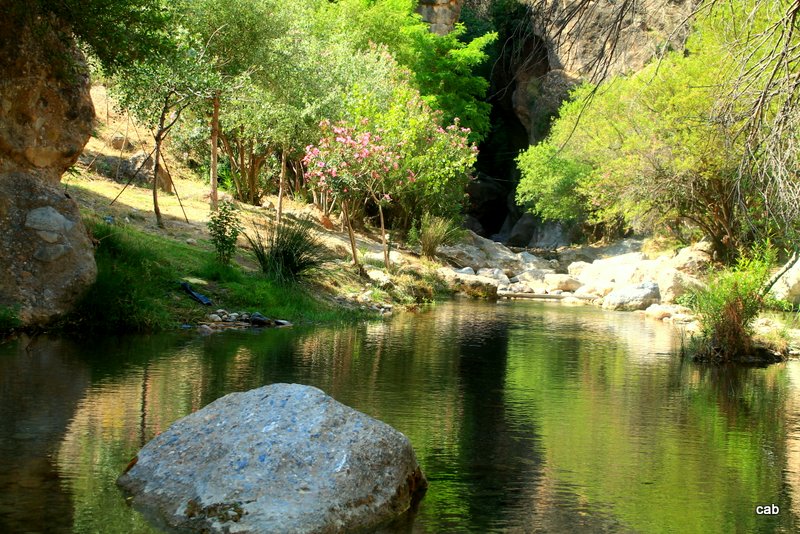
(281, 458)
(46, 257)
(576, 48)
(635, 297)
(46, 115)
(442, 15)
(788, 286)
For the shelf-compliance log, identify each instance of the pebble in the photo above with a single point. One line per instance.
(214, 317)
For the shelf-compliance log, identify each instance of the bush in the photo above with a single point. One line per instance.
(9, 319)
(224, 227)
(728, 305)
(436, 231)
(291, 250)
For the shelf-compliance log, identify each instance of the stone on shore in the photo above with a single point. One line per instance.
(280, 458)
(633, 297)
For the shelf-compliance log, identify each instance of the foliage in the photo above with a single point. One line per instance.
(549, 183)
(435, 231)
(291, 251)
(9, 319)
(119, 33)
(224, 227)
(728, 305)
(666, 144)
(129, 293)
(442, 66)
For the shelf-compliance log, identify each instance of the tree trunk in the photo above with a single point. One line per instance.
(281, 186)
(214, 139)
(383, 234)
(156, 167)
(350, 233)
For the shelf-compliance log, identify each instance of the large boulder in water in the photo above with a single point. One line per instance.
(281, 458)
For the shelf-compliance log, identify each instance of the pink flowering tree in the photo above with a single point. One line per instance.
(352, 164)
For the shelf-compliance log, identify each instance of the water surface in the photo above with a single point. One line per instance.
(526, 417)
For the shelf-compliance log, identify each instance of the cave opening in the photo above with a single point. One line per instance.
(519, 66)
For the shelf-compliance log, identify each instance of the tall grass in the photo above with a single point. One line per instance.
(290, 250)
(436, 231)
(131, 291)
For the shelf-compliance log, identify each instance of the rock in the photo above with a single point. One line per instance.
(673, 283)
(497, 274)
(575, 269)
(788, 286)
(664, 311)
(141, 166)
(46, 257)
(470, 285)
(520, 287)
(473, 224)
(377, 257)
(487, 201)
(534, 275)
(256, 319)
(522, 231)
(634, 297)
(120, 142)
(205, 330)
(214, 317)
(479, 253)
(693, 260)
(530, 261)
(561, 282)
(280, 458)
(595, 289)
(380, 279)
(548, 235)
(574, 301)
(281, 323)
(465, 270)
(191, 241)
(46, 116)
(442, 15)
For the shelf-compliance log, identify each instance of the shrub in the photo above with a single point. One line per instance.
(436, 231)
(224, 227)
(291, 250)
(728, 305)
(9, 319)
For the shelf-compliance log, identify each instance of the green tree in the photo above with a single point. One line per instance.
(157, 90)
(118, 32)
(550, 184)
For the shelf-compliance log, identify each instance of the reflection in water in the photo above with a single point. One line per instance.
(525, 417)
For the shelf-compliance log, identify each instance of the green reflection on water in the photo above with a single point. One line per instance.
(525, 418)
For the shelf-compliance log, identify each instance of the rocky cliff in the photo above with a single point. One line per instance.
(589, 40)
(548, 46)
(46, 116)
(442, 15)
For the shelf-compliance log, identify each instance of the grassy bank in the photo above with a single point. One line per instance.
(138, 286)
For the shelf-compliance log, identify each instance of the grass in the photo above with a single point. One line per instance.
(137, 287)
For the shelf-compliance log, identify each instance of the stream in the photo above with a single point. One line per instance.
(525, 417)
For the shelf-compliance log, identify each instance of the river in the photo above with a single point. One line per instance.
(525, 417)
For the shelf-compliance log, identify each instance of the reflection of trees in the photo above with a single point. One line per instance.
(39, 391)
(656, 443)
